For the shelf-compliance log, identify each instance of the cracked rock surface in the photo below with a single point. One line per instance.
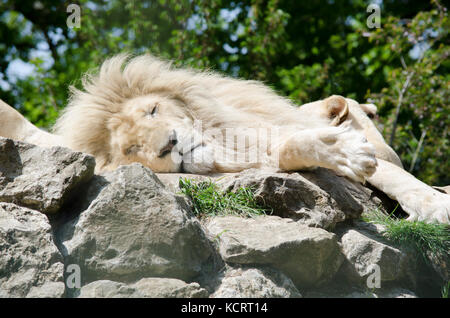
(132, 234)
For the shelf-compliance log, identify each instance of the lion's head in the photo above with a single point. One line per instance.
(158, 132)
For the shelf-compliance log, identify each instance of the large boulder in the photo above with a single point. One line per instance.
(308, 256)
(30, 263)
(132, 227)
(367, 255)
(40, 178)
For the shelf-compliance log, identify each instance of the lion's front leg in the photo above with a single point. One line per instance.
(418, 199)
(341, 149)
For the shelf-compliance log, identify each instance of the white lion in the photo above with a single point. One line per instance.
(182, 120)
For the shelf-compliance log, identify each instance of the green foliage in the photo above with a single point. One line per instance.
(208, 200)
(306, 50)
(446, 290)
(414, 102)
(428, 239)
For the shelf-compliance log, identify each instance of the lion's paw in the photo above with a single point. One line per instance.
(351, 154)
(429, 206)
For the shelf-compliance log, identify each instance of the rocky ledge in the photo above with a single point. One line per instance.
(66, 232)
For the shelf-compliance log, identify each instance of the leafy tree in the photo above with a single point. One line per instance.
(306, 50)
(414, 101)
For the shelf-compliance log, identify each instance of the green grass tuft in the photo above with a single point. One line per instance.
(430, 240)
(424, 237)
(445, 290)
(209, 200)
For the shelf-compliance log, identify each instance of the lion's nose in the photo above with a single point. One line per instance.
(170, 144)
(173, 138)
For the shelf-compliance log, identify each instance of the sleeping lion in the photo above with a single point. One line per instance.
(144, 110)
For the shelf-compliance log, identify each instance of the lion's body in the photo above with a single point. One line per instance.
(172, 120)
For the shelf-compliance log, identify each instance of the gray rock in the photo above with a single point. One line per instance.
(441, 267)
(48, 290)
(255, 283)
(360, 293)
(41, 178)
(133, 227)
(291, 196)
(107, 289)
(169, 288)
(367, 254)
(144, 288)
(350, 196)
(30, 263)
(308, 256)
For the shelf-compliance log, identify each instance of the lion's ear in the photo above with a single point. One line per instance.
(337, 109)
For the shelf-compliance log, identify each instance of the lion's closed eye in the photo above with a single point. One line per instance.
(151, 113)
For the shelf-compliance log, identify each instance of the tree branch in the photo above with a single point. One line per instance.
(399, 104)
(416, 153)
(51, 46)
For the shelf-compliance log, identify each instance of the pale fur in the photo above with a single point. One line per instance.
(129, 111)
(14, 126)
